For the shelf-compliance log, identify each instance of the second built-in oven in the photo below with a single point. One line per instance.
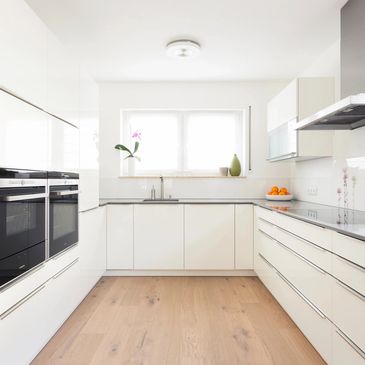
(63, 211)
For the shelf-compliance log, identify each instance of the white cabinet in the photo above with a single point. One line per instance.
(23, 44)
(159, 237)
(209, 237)
(64, 142)
(243, 236)
(92, 242)
(62, 81)
(120, 237)
(89, 143)
(301, 98)
(24, 134)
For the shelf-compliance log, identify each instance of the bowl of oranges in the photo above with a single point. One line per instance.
(279, 194)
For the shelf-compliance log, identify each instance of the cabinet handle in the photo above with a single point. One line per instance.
(268, 262)
(267, 222)
(351, 344)
(21, 302)
(65, 192)
(352, 291)
(301, 239)
(266, 235)
(301, 257)
(16, 198)
(301, 295)
(352, 264)
(65, 269)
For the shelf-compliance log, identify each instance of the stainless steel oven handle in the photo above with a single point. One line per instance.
(65, 192)
(14, 198)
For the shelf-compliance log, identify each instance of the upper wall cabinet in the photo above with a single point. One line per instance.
(24, 134)
(89, 142)
(62, 82)
(301, 98)
(23, 44)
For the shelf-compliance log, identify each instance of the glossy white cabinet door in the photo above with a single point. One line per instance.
(120, 237)
(24, 134)
(23, 44)
(62, 81)
(89, 143)
(64, 141)
(158, 237)
(92, 241)
(209, 237)
(244, 236)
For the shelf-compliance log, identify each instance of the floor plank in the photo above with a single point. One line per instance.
(179, 320)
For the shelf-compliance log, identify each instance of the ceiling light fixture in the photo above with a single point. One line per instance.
(183, 49)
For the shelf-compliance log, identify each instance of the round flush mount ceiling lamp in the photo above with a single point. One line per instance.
(183, 49)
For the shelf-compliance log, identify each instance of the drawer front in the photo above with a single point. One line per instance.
(345, 351)
(266, 214)
(312, 233)
(349, 273)
(349, 248)
(349, 312)
(266, 226)
(311, 280)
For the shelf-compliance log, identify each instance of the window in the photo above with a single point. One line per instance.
(184, 142)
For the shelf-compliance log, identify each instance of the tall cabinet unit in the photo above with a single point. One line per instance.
(301, 98)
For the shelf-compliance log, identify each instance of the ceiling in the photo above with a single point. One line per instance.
(124, 40)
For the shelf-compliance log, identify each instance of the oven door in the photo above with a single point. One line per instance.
(63, 217)
(22, 219)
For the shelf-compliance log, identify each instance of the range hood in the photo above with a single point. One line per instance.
(348, 113)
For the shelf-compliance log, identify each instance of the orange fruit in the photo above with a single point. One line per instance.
(269, 193)
(282, 193)
(275, 193)
(274, 188)
(284, 190)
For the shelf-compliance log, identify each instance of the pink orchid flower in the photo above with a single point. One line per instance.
(137, 135)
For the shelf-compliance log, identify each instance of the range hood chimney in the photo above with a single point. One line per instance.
(348, 113)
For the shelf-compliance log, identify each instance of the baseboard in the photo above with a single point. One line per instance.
(179, 273)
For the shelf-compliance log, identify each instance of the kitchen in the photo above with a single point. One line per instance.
(182, 186)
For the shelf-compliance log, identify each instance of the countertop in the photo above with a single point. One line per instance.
(346, 221)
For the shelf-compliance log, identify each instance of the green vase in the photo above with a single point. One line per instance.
(235, 169)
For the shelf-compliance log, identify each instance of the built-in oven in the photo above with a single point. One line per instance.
(63, 211)
(23, 197)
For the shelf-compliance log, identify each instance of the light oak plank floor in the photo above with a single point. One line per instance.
(179, 320)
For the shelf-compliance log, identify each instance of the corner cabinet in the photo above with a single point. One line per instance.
(301, 98)
(209, 237)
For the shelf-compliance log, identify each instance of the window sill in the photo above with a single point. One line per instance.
(181, 177)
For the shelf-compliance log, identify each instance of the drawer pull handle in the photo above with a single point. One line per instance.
(267, 262)
(267, 222)
(352, 264)
(351, 344)
(352, 291)
(301, 239)
(301, 295)
(301, 257)
(21, 302)
(65, 269)
(266, 235)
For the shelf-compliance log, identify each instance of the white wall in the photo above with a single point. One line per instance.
(188, 95)
(349, 152)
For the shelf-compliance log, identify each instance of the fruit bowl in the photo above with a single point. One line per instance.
(279, 197)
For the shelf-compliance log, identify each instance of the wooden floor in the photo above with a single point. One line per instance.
(179, 320)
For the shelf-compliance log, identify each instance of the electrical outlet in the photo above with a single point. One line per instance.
(312, 190)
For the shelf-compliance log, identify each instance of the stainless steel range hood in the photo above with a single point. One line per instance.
(348, 113)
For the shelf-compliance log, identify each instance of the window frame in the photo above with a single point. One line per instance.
(182, 171)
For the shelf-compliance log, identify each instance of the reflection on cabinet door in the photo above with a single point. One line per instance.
(64, 140)
(23, 44)
(209, 237)
(24, 134)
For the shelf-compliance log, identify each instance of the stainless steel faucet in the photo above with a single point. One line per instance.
(162, 189)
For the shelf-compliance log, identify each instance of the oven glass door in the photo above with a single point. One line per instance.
(22, 219)
(63, 218)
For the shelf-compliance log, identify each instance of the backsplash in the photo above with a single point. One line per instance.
(337, 181)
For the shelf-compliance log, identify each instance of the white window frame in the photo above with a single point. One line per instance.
(241, 141)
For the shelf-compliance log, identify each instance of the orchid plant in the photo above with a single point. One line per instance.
(136, 136)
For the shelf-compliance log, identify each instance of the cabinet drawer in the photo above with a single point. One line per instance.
(349, 312)
(349, 248)
(345, 351)
(265, 226)
(311, 280)
(349, 273)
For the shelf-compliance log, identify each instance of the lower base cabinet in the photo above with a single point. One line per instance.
(159, 237)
